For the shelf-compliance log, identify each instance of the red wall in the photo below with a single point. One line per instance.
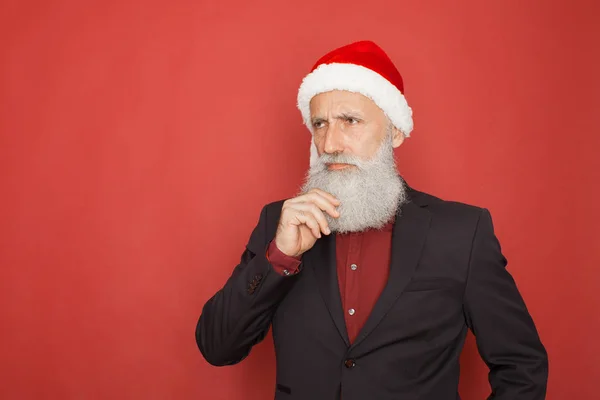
(137, 141)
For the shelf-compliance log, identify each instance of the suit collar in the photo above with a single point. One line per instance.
(414, 196)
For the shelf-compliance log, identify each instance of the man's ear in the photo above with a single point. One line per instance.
(397, 137)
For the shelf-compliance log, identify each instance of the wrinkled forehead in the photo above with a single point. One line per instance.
(344, 101)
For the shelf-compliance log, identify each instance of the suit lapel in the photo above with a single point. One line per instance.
(322, 259)
(408, 237)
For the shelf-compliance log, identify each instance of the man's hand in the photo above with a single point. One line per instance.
(302, 221)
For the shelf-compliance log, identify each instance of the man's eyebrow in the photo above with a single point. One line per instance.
(343, 116)
(348, 115)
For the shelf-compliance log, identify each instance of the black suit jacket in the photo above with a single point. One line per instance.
(447, 275)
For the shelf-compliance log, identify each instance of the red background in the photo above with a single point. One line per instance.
(137, 141)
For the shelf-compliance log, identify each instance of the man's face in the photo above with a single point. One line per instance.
(355, 141)
(349, 123)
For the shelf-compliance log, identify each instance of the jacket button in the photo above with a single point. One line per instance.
(350, 363)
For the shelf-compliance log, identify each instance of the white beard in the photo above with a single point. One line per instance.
(370, 193)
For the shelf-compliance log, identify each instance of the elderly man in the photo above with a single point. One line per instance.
(369, 284)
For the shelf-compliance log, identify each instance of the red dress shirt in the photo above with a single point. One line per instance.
(363, 261)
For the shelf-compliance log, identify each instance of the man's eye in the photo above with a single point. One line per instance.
(352, 121)
(318, 125)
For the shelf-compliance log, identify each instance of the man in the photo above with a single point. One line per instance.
(370, 285)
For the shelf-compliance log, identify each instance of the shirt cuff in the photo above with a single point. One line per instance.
(282, 263)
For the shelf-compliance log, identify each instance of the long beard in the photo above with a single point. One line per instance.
(370, 194)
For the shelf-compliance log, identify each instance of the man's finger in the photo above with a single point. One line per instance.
(301, 217)
(329, 196)
(319, 200)
(309, 208)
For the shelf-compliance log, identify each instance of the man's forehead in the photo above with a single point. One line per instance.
(341, 101)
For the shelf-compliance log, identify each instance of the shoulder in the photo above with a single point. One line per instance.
(273, 210)
(455, 225)
(269, 218)
(437, 204)
(446, 212)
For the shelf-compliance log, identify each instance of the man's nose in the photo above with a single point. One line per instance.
(334, 140)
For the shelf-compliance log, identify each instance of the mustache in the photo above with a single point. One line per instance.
(339, 158)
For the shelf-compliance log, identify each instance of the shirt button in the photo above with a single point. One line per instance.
(353, 267)
(286, 272)
(351, 311)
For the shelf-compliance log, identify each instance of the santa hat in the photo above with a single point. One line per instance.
(361, 67)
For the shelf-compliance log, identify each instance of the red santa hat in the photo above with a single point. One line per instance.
(361, 67)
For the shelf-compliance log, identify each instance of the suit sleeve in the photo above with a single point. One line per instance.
(495, 312)
(239, 315)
